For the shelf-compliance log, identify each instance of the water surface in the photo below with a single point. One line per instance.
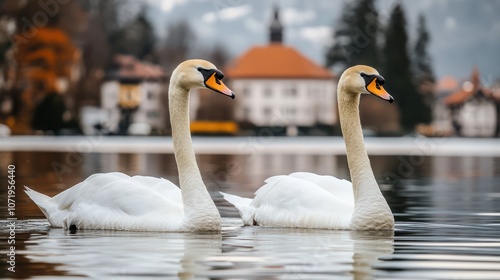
(447, 212)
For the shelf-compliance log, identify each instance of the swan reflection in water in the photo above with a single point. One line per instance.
(237, 252)
(122, 254)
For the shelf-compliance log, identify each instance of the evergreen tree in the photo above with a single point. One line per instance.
(136, 38)
(108, 11)
(423, 68)
(356, 36)
(177, 45)
(397, 69)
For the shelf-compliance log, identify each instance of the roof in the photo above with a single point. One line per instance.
(458, 97)
(468, 89)
(447, 83)
(275, 61)
(130, 68)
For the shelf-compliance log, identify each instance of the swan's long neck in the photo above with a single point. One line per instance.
(357, 158)
(199, 209)
(371, 210)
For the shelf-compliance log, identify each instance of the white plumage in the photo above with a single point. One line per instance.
(115, 201)
(300, 199)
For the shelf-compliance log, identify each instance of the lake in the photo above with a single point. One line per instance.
(446, 203)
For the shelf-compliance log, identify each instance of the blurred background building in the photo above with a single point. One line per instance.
(473, 109)
(133, 99)
(281, 89)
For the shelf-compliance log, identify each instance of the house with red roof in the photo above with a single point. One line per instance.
(473, 109)
(278, 87)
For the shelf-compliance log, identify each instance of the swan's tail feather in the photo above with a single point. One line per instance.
(236, 200)
(42, 201)
(243, 205)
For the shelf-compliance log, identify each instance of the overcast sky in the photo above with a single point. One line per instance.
(464, 33)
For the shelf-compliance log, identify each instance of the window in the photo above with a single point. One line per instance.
(289, 111)
(247, 111)
(247, 92)
(267, 111)
(152, 114)
(310, 92)
(268, 91)
(290, 92)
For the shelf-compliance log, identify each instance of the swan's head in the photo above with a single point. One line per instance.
(198, 73)
(364, 79)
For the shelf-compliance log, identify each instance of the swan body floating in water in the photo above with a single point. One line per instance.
(119, 202)
(307, 200)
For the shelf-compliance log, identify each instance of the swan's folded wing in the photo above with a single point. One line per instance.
(338, 187)
(162, 186)
(86, 189)
(293, 202)
(121, 193)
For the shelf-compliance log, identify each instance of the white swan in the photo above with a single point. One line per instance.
(120, 202)
(308, 200)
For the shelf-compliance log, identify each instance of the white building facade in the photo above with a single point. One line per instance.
(150, 110)
(478, 118)
(286, 102)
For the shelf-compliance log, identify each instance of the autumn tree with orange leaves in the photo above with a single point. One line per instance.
(40, 60)
(44, 66)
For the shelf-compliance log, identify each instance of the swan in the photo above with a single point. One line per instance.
(117, 201)
(307, 200)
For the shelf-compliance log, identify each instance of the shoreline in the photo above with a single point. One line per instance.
(253, 144)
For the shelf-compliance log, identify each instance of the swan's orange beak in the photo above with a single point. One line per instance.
(376, 88)
(215, 84)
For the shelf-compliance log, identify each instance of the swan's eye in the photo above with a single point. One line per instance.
(380, 80)
(363, 74)
(199, 69)
(219, 75)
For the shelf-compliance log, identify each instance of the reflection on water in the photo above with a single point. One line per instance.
(446, 209)
(122, 255)
(236, 253)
